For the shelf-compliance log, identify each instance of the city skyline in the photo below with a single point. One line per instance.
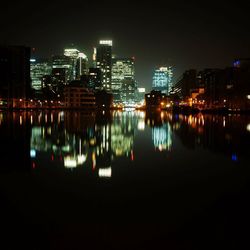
(183, 35)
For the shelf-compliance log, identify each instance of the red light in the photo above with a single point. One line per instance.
(52, 157)
(132, 155)
(33, 165)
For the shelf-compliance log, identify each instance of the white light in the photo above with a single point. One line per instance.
(81, 159)
(141, 125)
(70, 162)
(248, 127)
(82, 55)
(248, 97)
(106, 42)
(105, 172)
(32, 153)
(32, 60)
(141, 90)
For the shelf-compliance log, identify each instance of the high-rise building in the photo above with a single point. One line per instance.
(123, 79)
(38, 69)
(62, 68)
(94, 78)
(78, 63)
(104, 62)
(14, 72)
(162, 80)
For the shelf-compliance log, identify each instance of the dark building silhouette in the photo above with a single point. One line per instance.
(186, 84)
(15, 79)
(156, 100)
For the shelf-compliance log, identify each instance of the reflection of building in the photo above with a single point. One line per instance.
(103, 62)
(15, 142)
(123, 79)
(162, 137)
(162, 80)
(122, 132)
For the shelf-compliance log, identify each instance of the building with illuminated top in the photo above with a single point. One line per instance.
(78, 63)
(162, 80)
(103, 61)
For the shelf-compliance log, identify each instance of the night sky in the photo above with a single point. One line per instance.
(185, 34)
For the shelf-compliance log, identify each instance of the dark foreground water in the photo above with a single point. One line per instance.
(126, 180)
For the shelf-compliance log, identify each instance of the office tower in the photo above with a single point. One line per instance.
(78, 62)
(103, 62)
(38, 69)
(94, 78)
(123, 79)
(62, 68)
(14, 73)
(162, 80)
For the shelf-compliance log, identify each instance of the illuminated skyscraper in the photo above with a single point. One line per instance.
(123, 79)
(162, 80)
(62, 68)
(38, 69)
(103, 62)
(78, 63)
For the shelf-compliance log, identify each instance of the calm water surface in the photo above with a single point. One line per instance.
(124, 180)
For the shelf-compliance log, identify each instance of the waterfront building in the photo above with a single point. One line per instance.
(15, 80)
(156, 100)
(77, 96)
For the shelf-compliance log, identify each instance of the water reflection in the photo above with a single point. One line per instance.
(71, 140)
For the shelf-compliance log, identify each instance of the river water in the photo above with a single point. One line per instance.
(124, 180)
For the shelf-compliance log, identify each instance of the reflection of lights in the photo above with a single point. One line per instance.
(32, 153)
(33, 165)
(141, 125)
(248, 127)
(92, 141)
(66, 148)
(21, 120)
(132, 155)
(70, 162)
(234, 157)
(162, 137)
(224, 122)
(93, 160)
(105, 172)
(81, 159)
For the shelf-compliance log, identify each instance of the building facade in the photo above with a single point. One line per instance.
(104, 62)
(162, 80)
(38, 69)
(123, 79)
(78, 97)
